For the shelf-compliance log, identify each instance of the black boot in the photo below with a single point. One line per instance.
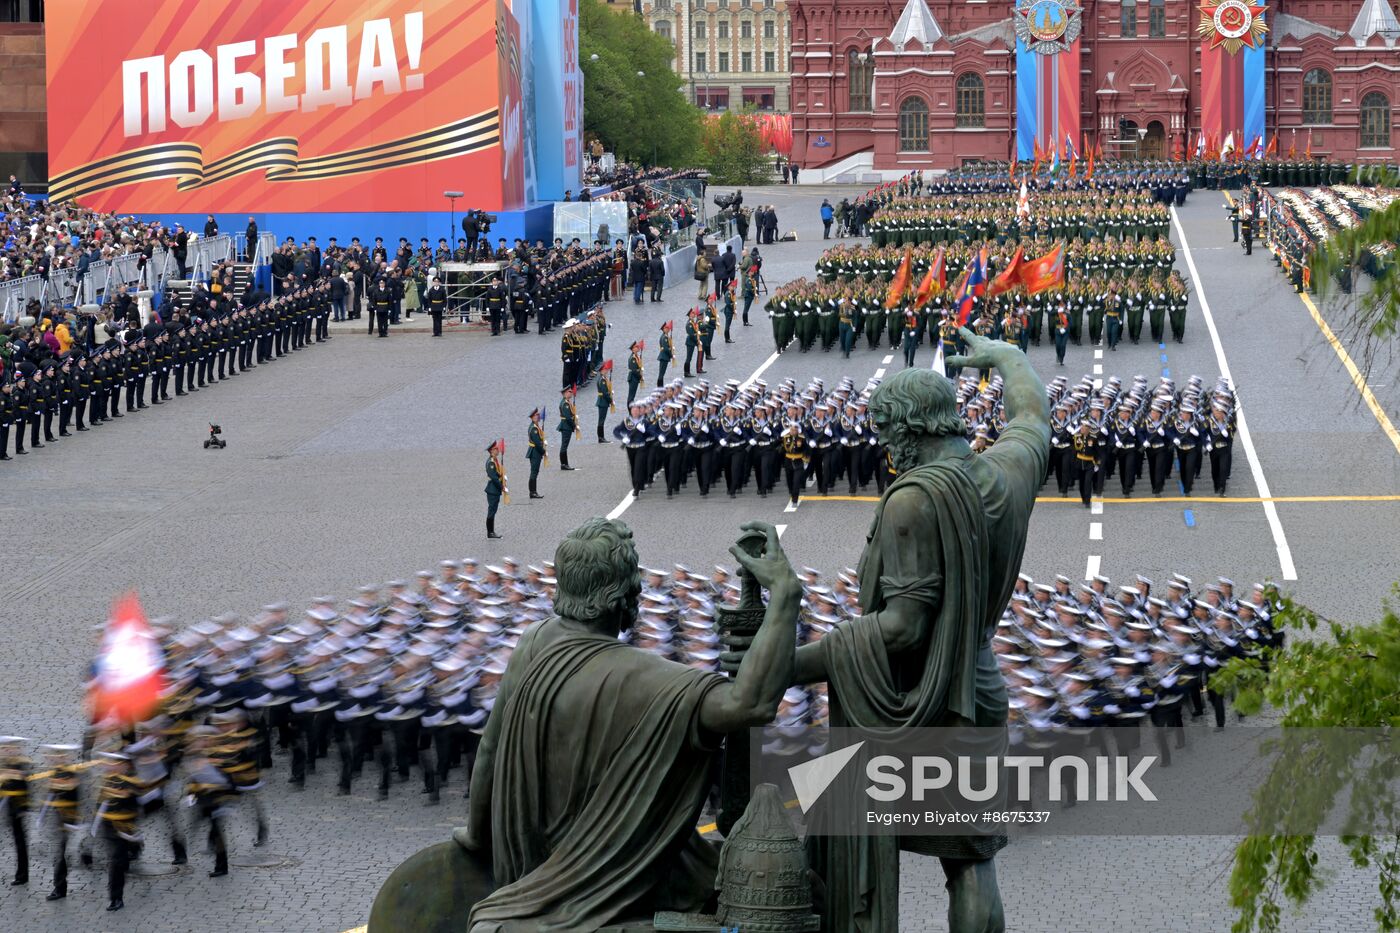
(491, 528)
(564, 462)
(115, 905)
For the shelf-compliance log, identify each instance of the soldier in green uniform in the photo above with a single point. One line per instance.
(604, 401)
(538, 451)
(634, 370)
(847, 328)
(495, 484)
(781, 315)
(568, 424)
(692, 341)
(666, 354)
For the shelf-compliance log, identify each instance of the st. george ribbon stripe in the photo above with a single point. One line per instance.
(278, 156)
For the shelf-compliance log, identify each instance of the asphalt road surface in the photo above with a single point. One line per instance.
(361, 460)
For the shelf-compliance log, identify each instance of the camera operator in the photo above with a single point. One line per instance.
(470, 228)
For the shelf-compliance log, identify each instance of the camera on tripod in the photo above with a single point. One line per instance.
(724, 201)
(213, 440)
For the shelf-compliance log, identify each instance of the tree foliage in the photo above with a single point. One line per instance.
(1349, 679)
(641, 118)
(1375, 311)
(732, 148)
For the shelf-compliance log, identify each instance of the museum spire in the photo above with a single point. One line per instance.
(916, 22)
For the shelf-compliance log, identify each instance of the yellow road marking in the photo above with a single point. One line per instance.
(1356, 378)
(1199, 500)
(1352, 369)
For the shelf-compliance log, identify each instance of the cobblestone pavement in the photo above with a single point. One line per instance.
(361, 460)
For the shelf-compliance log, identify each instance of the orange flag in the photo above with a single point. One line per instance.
(1046, 272)
(900, 283)
(933, 279)
(130, 668)
(1009, 277)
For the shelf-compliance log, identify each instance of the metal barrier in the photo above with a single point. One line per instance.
(125, 270)
(16, 293)
(267, 245)
(159, 268)
(93, 283)
(62, 287)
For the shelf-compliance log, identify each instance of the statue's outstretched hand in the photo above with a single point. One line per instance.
(770, 568)
(982, 352)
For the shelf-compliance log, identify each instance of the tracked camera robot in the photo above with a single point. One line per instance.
(213, 440)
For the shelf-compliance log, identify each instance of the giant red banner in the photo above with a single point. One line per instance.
(179, 106)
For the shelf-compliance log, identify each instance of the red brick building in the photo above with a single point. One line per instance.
(888, 86)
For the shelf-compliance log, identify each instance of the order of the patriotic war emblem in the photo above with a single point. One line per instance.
(1047, 26)
(1235, 24)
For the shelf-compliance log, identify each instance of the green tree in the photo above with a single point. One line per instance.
(1374, 311)
(732, 148)
(631, 97)
(1348, 679)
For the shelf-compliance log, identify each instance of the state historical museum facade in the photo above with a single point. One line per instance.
(893, 87)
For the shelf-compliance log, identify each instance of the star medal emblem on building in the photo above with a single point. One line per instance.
(1233, 24)
(1047, 26)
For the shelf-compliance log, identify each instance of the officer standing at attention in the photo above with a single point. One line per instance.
(1235, 223)
(605, 398)
(537, 452)
(382, 297)
(568, 425)
(1247, 229)
(634, 370)
(436, 298)
(666, 354)
(495, 485)
(496, 304)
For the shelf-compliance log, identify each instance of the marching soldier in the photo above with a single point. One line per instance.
(1086, 456)
(62, 777)
(1220, 442)
(796, 453)
(209, 791)
(117, 808)
(14, 800)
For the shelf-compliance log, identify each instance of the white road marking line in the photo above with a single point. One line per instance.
(1096, 531)
(880, 373)
(1098, 354)
(628, 499)
(1091, 569)
(888, 360)
(781, 529)
(1098, 384)
(1096, 507)
(1285, 555)
(792, 506)
(1098, 369)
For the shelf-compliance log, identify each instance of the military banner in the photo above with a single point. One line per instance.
(1047, 74)
(170, 106)
(1233, 37)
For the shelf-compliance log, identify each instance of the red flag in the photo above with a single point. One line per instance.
(1009, 277)
(1272, 147)
(1293, 146)
(900, 283)
(1073, 156)
(1045, 272)
(1089, 170)
(1307, 152)
(130, 667)
(932, 278)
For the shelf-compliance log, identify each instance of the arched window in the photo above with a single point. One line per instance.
(1129, 21)
(1317, 96)
(913, 125)
(1156, 18)
(971, 100)
(1375, 121)
(860, 71)
(663, 28)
